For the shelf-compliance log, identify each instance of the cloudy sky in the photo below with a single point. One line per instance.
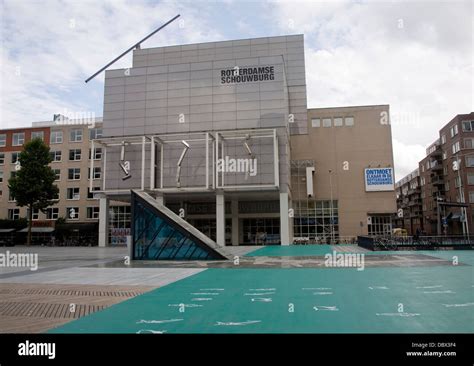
(415, 56)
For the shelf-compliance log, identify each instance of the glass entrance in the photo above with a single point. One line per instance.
(261, 231)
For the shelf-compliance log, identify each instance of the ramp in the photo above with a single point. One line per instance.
(159, 234)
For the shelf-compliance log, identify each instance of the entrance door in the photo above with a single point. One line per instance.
(261, 231)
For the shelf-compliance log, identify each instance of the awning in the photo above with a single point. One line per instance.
(38, 230)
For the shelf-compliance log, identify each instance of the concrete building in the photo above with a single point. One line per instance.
(219, 132)
(409, 203)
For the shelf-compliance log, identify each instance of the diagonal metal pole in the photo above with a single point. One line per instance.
(131, 48)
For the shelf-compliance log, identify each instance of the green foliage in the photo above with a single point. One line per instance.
(60, 221)
(32, 185)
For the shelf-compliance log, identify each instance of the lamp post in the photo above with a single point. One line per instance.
(457, 165)
(332, 210)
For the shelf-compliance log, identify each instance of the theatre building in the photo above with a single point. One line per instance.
(221, 136)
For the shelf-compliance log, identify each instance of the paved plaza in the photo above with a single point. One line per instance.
(267, 290)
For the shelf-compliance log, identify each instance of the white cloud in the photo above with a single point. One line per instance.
(414, 56)
(56, 45)
(406, 154)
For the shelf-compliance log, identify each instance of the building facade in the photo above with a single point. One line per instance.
(409, 203)
(447, 179)
(70, 148)
(220, 134)
(181, 119)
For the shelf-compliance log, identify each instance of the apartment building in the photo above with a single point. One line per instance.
(70, 148)
(447, 179)
(409, 203)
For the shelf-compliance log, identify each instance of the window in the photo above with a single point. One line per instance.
(15, 156)
(327, 122)
(73, 193)
(457, 182)
(35, 214)
(57, 172)
(56, 137)
(3, 140)
(446, 185)
(95, 133)
(56, 197)
(90, 194)
(97, 172)
(92, 212)
(427, 165)
(37, 135)
(454, 130)
(468, 126)
(443, 139)
(55, 155)
(74, 174)
(75, 154)
(445, 155)
(456, 147)
(445, 170)
(468, 143)
(75, 135)
(52, 213)
(72, 213)
(18, 139)
(349, 121)
(2, 158)
(471, 196)
(470, 161)
(1, 176)
(315, 122)
(97, 155)
(338, 121)
(13, 213)
(470, 179)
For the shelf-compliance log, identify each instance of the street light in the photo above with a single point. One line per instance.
(457, 166)
(332, 210)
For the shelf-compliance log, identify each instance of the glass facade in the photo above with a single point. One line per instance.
(156, 237)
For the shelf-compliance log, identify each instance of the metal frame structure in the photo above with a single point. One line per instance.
(117, 141)
(214, 143)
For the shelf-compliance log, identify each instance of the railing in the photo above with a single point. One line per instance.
(413, 242)
(318, 240)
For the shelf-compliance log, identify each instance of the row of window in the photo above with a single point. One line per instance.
(467, 126)
(72, 193)
(469, 161)
(56, 156)
(72, 174)
(52, 213)
(56, 137)
(329, 122)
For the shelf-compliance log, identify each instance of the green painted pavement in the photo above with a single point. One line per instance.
(434, 299)
(309, 250)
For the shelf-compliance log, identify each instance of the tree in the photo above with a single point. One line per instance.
(32, 185)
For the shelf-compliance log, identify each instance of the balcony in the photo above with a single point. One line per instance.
(414, 191)
(438, 153)
(437, 180)
(415, 202)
